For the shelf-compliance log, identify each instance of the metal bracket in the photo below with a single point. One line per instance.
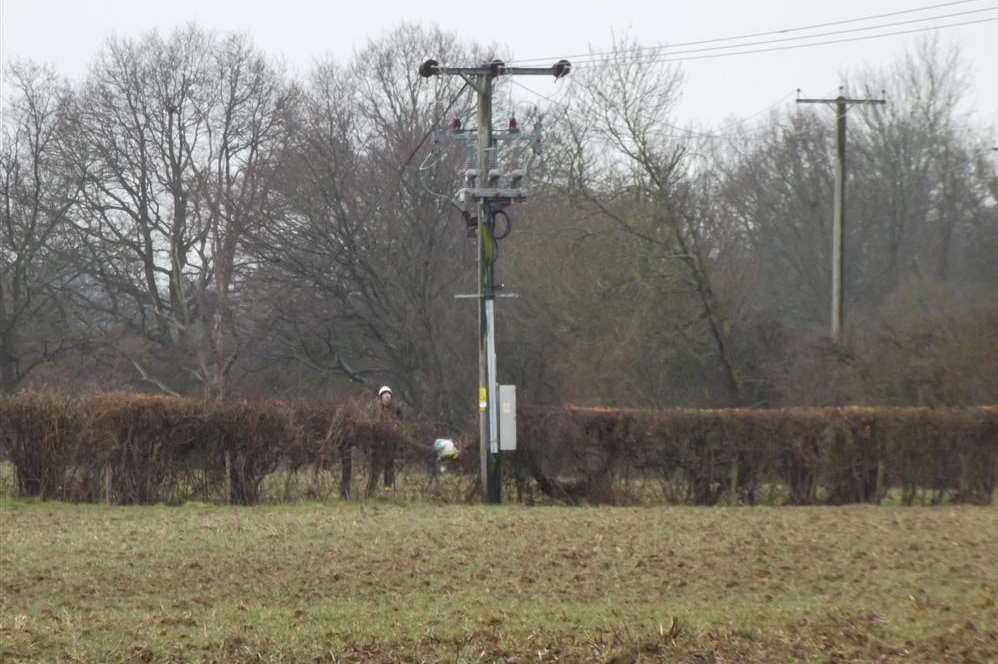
(492, 193)
(475, 296)
(443, 136)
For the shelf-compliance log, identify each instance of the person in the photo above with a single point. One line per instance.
(383, 451)
(445, 454)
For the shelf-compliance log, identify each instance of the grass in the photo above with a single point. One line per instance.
(383, 582)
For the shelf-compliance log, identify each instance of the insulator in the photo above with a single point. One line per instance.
(428, 68)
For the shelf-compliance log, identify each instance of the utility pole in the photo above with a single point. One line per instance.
(483, 189)
(839, 215)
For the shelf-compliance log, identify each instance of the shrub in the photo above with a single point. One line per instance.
(832, 455)
(142, 449)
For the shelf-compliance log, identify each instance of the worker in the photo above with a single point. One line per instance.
(384, 450)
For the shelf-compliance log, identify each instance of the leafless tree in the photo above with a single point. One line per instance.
(626, 149)
(220, 229)
(366, 260)
(175, 140)
(35, 326)
(778, 191)
(914, 194)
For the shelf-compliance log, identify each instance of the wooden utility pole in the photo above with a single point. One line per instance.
(487, 379)
(839, 215)
(483, 187)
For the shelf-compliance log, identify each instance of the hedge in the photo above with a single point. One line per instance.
(126, 448)
(817, 455)
(131, 449)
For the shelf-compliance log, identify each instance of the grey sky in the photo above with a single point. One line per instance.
(68, 33)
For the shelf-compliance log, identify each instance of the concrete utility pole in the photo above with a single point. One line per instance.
(839, 218)
(483, 186)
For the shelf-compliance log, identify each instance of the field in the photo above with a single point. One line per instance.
(378, 581)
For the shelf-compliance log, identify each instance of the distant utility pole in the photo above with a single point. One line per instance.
(483, 187)
(839, 220)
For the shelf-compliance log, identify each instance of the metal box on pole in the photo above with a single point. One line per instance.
(507, 418)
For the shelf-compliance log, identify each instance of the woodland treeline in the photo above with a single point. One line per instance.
(191, 219)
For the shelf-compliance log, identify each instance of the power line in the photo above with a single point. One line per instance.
(408, 160)
(676, 128)
(667, 58)
(639, 54)
(759, 130)
(768, 32)
(727, 134)
(538, 94)
(769, 108)
(731, 134)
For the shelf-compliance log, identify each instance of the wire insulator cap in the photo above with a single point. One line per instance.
(429, 68)
(561, 68)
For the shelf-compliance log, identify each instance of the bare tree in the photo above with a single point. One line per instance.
(175, 139)
(626, 149)
(248, 137)
(221, 229)
(778, 192)
(38, 195)
(366, 260)
(909, 202)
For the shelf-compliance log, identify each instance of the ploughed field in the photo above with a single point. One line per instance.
(374, 581)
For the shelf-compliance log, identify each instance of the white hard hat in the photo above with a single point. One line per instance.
(445, 449)
(384, 388)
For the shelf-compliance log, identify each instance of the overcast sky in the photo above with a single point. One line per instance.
(67, 34)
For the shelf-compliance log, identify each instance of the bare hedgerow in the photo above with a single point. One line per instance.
(141, 449)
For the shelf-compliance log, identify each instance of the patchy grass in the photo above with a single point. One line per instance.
(8, 480)
(381, 582)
